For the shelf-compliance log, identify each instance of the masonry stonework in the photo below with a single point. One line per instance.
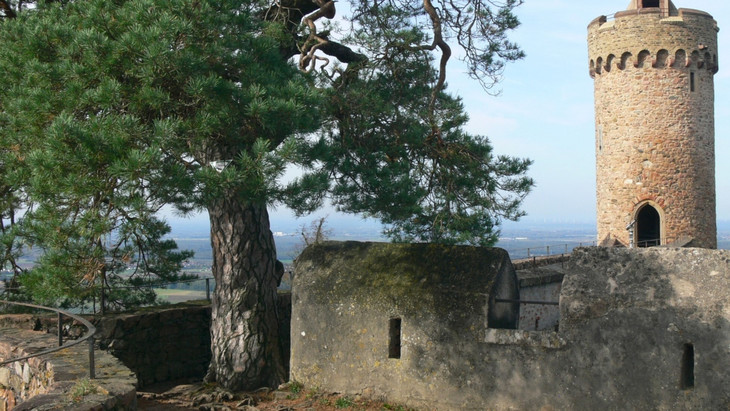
(638, 329)
(653, 74)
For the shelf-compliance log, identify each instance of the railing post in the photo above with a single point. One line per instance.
(92, 365)
(60, 329)
(102, 300)
(207, 289)
(548, 250)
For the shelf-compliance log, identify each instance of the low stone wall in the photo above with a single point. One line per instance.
(161, 344)
(158, 344)
(168, 344)
(54, 381)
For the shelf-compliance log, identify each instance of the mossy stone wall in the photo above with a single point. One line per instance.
(636, 328)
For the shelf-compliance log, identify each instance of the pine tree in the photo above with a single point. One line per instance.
(111, 109)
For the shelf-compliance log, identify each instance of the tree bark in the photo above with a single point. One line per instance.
(245, 340)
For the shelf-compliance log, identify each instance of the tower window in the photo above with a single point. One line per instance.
(692, 81)
(650, 3)
(600, 138)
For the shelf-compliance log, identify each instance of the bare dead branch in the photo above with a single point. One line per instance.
(438, 41)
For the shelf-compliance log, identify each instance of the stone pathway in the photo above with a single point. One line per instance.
(113, 385)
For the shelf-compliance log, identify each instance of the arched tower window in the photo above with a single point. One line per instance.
(648, 227)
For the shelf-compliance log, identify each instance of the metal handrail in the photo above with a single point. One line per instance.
(664, 11)
(649, 243)
(89, 336)
(550, 250)
(156, 285)
(161, 285)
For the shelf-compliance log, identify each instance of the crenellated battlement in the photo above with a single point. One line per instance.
(661, 59)
(653, 37)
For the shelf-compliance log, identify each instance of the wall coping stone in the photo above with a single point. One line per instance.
(533, 277)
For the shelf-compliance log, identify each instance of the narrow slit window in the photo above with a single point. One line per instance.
(600, 138)
(395, 337)
(692, 81)
(687, 379)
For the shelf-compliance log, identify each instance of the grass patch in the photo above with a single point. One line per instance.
(344, 402)
(82, 388)
(296, 387)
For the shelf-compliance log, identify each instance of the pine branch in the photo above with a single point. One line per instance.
(8, 11)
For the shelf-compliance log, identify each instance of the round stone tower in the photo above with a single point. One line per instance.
(653, 68)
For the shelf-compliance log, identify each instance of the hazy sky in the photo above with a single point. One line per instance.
(545, 111)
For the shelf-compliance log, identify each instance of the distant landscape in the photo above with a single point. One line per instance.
(521, 240)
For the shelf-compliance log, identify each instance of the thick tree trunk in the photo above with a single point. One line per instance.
(244, 329)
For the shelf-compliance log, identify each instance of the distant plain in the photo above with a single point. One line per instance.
(521, 240)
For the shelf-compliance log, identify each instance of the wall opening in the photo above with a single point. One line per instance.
(687, 378)
(394, 343)
(600, 138)
(648, 227)
(692, 81)
(650, 3)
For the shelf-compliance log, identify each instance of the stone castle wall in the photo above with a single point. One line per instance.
(654, 134)
(639, 330)
(159, 345)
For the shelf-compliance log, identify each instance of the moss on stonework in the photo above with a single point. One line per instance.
(414, 275)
